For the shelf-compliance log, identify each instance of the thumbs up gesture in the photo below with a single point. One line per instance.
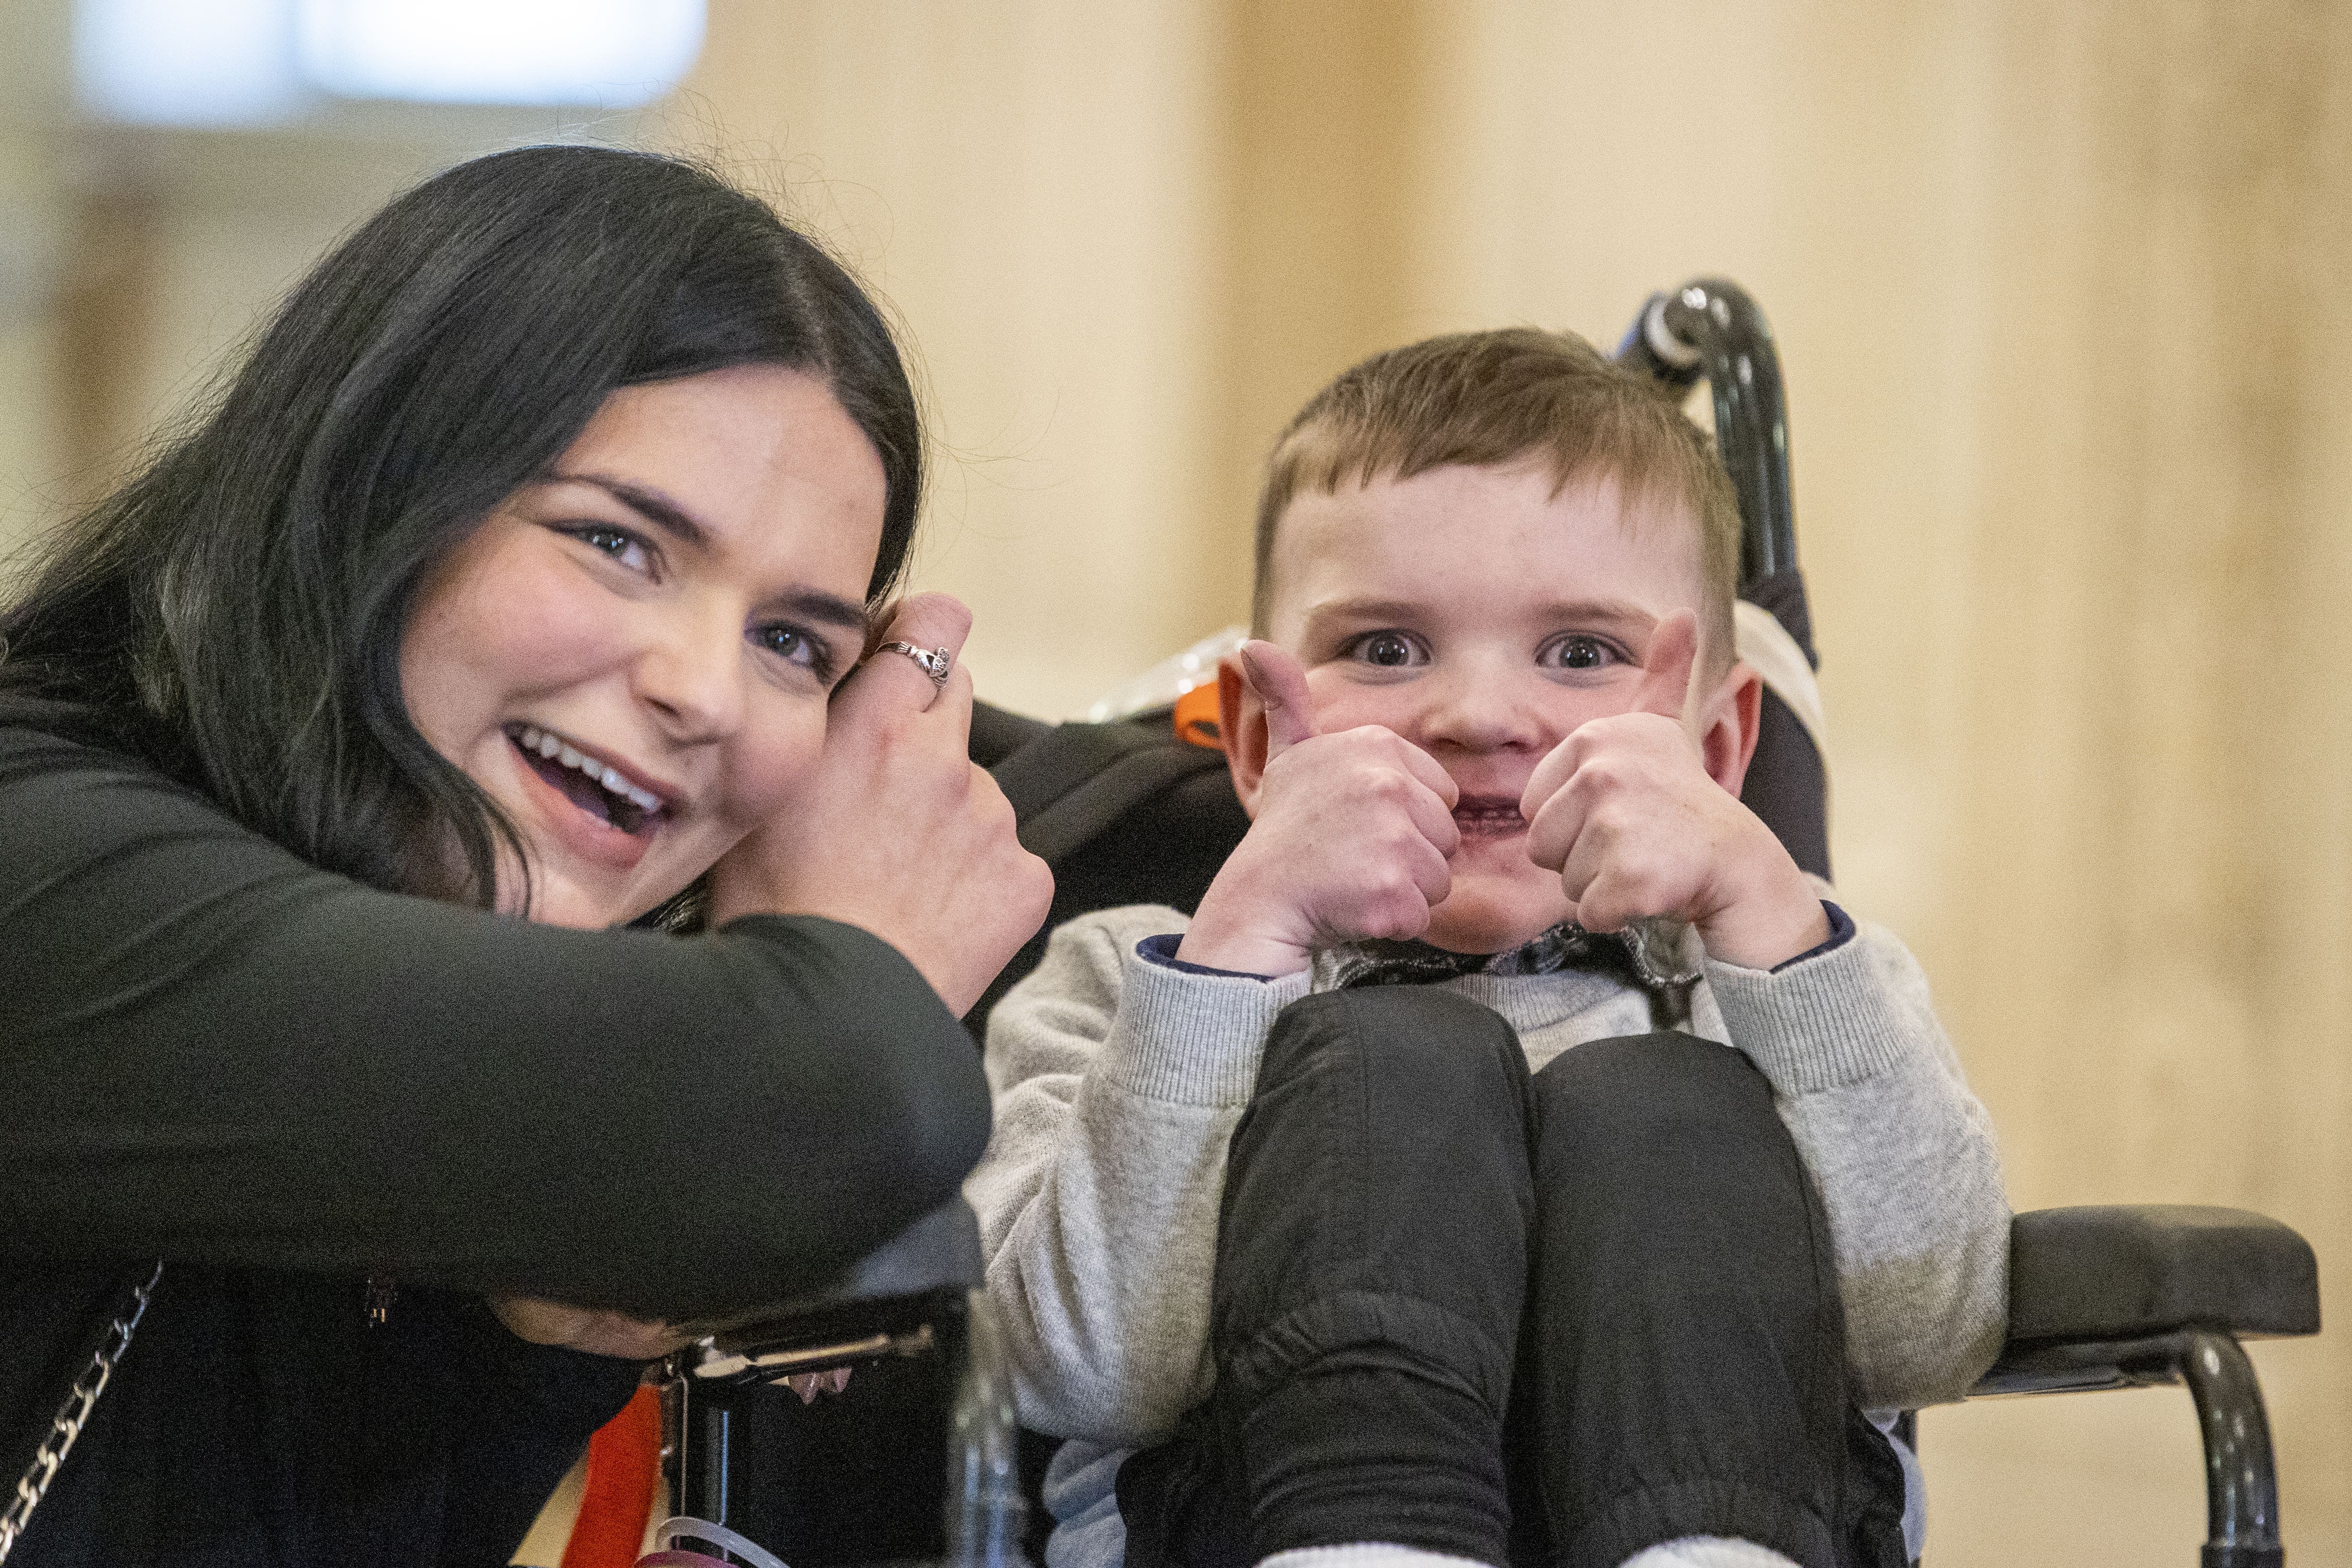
(1349, 836)
(1626, 812)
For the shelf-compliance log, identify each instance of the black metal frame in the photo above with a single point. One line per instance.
(1710, 329)
(912, 1306)
(2241, 1517)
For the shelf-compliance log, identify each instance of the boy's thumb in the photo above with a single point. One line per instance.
(1280, 683)
(1667, 671)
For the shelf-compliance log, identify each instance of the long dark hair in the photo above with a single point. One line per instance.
(233, 614)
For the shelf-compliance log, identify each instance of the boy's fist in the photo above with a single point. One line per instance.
(1625, 811)
(1350, 839)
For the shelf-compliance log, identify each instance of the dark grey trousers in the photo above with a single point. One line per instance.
(1542, 1322)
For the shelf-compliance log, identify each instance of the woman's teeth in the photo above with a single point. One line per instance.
(534, 738)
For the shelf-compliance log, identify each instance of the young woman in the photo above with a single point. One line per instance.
(509, 601)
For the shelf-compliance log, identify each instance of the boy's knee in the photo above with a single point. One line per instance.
(1643, 1095)
(1447, 1054)
(1653, 1077)
(1665, 1113)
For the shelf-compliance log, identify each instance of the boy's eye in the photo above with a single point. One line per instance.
(1388, 650)
(1577, 652)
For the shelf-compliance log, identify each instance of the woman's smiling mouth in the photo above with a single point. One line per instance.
(599, 789)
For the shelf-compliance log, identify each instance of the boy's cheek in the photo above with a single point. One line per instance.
(1342, 704)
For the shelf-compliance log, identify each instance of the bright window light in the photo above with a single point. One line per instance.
(613, 53)
(186, 62)
(245, 62)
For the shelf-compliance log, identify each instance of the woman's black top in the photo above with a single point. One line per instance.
(282, 1082)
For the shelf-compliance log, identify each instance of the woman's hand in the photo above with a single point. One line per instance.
(899, 832)
(587, 1329)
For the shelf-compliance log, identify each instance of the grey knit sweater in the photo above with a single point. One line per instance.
(1118, 1082)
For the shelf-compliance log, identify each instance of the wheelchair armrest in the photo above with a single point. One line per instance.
(938, 1251)
(2118, 1274)
(896, 1301)
(937, 1255)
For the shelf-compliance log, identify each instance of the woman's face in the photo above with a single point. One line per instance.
(632, 654)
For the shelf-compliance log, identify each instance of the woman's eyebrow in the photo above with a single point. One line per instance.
(646, 501)
(827, 609)
(814, 604)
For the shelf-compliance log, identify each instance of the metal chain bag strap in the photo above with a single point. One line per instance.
(81, 1398)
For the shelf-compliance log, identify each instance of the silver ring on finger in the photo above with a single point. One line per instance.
(936, 662)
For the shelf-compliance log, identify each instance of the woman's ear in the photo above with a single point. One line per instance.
(1728, 724)
(1241, 728)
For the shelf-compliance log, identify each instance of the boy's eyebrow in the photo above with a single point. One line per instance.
(1616, 612)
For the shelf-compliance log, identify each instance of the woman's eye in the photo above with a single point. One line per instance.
(618, 545)
(1389, 650)
(1582, 653)
(795, 646)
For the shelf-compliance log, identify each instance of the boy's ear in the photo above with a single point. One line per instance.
(1241, 729)
(1728, 724)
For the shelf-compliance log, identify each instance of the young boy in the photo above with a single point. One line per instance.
(1288, 1242)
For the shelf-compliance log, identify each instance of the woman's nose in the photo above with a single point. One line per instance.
(691, 677)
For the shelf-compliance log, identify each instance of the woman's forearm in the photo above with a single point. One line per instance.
(217, 1053)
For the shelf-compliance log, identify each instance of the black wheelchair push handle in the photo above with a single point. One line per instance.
(1710, 328)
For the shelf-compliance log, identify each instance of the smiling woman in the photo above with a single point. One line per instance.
(633, 656)
(518, 581)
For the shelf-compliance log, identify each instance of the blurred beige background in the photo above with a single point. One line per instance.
(2070, 370)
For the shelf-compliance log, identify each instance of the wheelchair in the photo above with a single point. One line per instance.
(1129, 810)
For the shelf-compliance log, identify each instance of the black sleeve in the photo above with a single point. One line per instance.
(213, 1051)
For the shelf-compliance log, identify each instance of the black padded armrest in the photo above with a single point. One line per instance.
(939, 1251)
(2112, 1273)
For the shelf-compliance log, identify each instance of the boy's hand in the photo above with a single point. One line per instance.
(1625, 811)
(1350, 839)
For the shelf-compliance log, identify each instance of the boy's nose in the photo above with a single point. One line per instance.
(1482, 712)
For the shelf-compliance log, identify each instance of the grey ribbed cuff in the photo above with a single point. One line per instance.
(1820, 1024)
(1193, 1039)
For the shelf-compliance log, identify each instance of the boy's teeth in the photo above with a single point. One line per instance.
(565, 755)
(548, 745)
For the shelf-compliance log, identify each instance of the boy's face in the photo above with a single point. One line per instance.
(1483, 618)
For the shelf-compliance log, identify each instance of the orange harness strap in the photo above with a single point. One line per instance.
(1196, 715)
(617, 1502)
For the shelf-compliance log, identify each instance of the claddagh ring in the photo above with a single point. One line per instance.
(936, 662)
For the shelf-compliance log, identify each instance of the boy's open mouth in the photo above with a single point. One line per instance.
(596, 788)
(1488, 816)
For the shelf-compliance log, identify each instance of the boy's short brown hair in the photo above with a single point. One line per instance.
(1489, 398)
